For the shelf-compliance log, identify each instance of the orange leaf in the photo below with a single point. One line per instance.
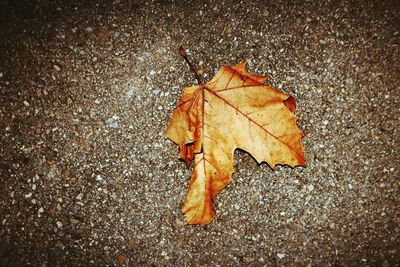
(233, 110)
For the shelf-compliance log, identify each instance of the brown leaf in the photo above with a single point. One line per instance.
(233, 110)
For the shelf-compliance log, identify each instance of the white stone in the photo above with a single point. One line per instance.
(350, 186)
(310, 187)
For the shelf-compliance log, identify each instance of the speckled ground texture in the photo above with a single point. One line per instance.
(88, 178)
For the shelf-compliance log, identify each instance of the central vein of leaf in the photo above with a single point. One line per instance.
(202, 143)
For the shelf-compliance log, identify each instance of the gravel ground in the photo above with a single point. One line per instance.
(88, 178)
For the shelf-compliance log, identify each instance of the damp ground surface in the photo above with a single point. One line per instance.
(88, 178)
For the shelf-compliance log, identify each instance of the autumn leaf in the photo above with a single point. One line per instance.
(235, 109)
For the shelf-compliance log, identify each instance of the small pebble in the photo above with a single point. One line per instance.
(280, 255)
(350, 186)
(59, 224)
(79, 196)
(310, 187)
(74, 221)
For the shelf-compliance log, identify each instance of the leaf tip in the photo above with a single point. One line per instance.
(242, 66)
(290, 103)
(303, 162)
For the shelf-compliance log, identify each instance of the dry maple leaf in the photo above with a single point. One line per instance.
(233, 110)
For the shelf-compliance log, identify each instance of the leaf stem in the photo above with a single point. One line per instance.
(192, 68)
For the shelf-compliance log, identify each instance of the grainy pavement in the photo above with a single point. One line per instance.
(88, 179)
